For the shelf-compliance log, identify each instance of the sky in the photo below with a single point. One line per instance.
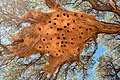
(96, 56)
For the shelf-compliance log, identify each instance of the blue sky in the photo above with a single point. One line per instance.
(96, 56)
(99, 52)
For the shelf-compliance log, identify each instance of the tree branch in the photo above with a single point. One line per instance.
(108, 28)
(115, 71)
(96, 6)
(53, 5)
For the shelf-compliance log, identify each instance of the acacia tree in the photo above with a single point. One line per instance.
(20, 67)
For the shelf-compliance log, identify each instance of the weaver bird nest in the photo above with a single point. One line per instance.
(61, 33)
